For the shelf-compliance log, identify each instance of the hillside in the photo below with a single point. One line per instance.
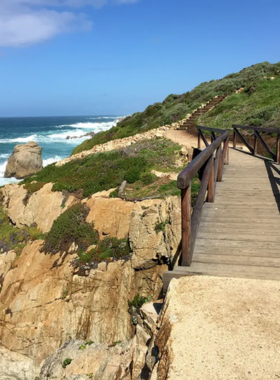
(257, 104)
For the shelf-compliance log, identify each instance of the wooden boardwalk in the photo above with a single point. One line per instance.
(239, 234)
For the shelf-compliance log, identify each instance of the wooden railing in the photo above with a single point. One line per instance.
(258, 137)
(210, 163)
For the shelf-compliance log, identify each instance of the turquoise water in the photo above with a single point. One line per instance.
(50, 133)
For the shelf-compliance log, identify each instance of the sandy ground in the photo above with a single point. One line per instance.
(224, 328)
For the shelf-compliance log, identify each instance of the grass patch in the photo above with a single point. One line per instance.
(107, 250)
(257, 105)
(138, 301)
(255, 79)
(104, 171)
(70, 227)
(12, 237)
(160, 226)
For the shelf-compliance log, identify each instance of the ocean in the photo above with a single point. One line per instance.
(50, 133)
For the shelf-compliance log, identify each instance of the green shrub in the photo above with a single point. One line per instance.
(132, 175)
(138, 301)
(70, 227)
(108, 249)
(105, 171)
(160, 226)
(12, 237)
(148, 178)
(66, 362)
(83, 346)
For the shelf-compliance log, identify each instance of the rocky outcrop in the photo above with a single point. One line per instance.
(124, 360)
(22, 208)
(219, 328)
(112, 216)
(154, 233)
(25, 160)
(44, 303)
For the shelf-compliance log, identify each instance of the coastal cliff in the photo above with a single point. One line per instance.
(46, 300)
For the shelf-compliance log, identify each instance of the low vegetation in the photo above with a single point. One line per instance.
(257, 105)
(254, 79)
(15, 238)
(105, 171)
(70, 228)
(107, 250)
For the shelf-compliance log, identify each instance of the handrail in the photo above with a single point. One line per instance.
(257, 137)
(211, 162)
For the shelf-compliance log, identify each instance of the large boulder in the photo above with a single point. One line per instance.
(25, 160)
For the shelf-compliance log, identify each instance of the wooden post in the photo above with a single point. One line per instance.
(226, 151)
(220, 167)
(186, 225)
(198, 140)
(255, 143)
(211, 184)
(234, 138)
(278, 149)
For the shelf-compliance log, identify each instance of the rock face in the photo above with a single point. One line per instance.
(219, 328)
(25, 160)
(23, 209)
(44, 303)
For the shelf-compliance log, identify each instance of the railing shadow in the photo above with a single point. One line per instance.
(274, 181)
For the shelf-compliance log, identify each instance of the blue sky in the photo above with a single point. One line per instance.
(98, 57)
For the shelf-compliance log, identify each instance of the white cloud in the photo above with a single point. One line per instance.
(28, 22)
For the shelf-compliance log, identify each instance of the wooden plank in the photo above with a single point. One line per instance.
(213, 225)
(226, 270)
(228, 244)
(245, 237)
(236, 251)
(197, 212)
(238, 260)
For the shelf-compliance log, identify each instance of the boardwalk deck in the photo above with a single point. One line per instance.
(239, 234)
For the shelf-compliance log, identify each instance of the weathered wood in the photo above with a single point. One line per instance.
(190, 171)
(278, 149)
(211, 184)
(245, 142)
(234, 138)
(209, 129)
(226, 151)
(216, 164)
(259, 129)
(203, 138)
(198, 140)
(238, 235)
(255, 143)
(269, 151)
(186, 224)
(213, 136)
(220, 167)
(196, 216)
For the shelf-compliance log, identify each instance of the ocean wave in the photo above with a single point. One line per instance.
(19, 139)
(64, 135)
(51, 160)
(100, 126)
(6, 155)
(3, 168)
(103, 117)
